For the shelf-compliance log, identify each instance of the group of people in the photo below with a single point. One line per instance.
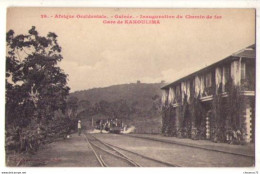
(234, 137)
(107, 124)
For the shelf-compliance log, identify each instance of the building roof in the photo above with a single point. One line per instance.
(246, 53)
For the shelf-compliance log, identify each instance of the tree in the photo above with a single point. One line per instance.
(105, 108)
(72, 106)
(156, 103)
(124, 109)
(35, 85)
(85, 106)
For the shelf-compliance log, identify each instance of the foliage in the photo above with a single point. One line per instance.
(116, 109)
(30, 138)
(198, 115)
(34, 82)
(140, 98)
(172, 120)
(236, 103)
(227, 116)
(72, 106)
(186, 115)
(129, 102)
(164, 123)
(36, 87)
(218, 118)
(165, 120)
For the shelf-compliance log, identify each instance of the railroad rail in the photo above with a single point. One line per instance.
(187, 145)
(108, 150)
(99, 158)
(116, 148)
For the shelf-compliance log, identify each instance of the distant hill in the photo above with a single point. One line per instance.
(135, 103)
(116, 92)
(140, 92)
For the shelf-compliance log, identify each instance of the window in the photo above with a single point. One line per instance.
(178, 94)
(243, 70)
(209, 80)
(226, 73)
(178, 91)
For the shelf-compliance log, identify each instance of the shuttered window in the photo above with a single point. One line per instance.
(243, 70)
(227, 73)
(209, 80)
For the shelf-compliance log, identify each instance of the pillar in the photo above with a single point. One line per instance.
(247, 120)
(207, 127)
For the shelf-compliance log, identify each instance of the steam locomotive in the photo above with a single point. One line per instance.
(110, 125)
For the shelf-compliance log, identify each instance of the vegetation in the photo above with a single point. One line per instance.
(166, 126)
(36, 91)
(135, 104)
(225, 117)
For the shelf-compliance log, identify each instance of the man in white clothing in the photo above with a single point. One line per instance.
(79, 127)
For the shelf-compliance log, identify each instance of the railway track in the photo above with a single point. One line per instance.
(99, 158)
(114, 156)
(187, 145)
(109, 156)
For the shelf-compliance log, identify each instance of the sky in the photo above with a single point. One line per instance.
(98, 55)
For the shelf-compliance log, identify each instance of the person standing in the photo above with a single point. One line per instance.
(79, 127)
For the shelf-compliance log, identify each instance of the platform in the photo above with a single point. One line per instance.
(246, 150)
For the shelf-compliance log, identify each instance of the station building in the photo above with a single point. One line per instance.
(214, 102)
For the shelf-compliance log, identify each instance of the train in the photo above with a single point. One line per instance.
(110, 125)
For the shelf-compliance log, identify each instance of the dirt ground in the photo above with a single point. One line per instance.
(177, 154)
(75, 152)
(71, 152)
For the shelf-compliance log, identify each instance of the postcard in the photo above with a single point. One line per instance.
(130, 87)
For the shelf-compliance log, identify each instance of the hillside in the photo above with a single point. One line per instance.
(115, 92)
(136, 104)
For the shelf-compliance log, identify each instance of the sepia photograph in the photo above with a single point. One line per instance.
(130, 87)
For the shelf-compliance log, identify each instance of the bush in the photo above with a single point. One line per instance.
(30, 138)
